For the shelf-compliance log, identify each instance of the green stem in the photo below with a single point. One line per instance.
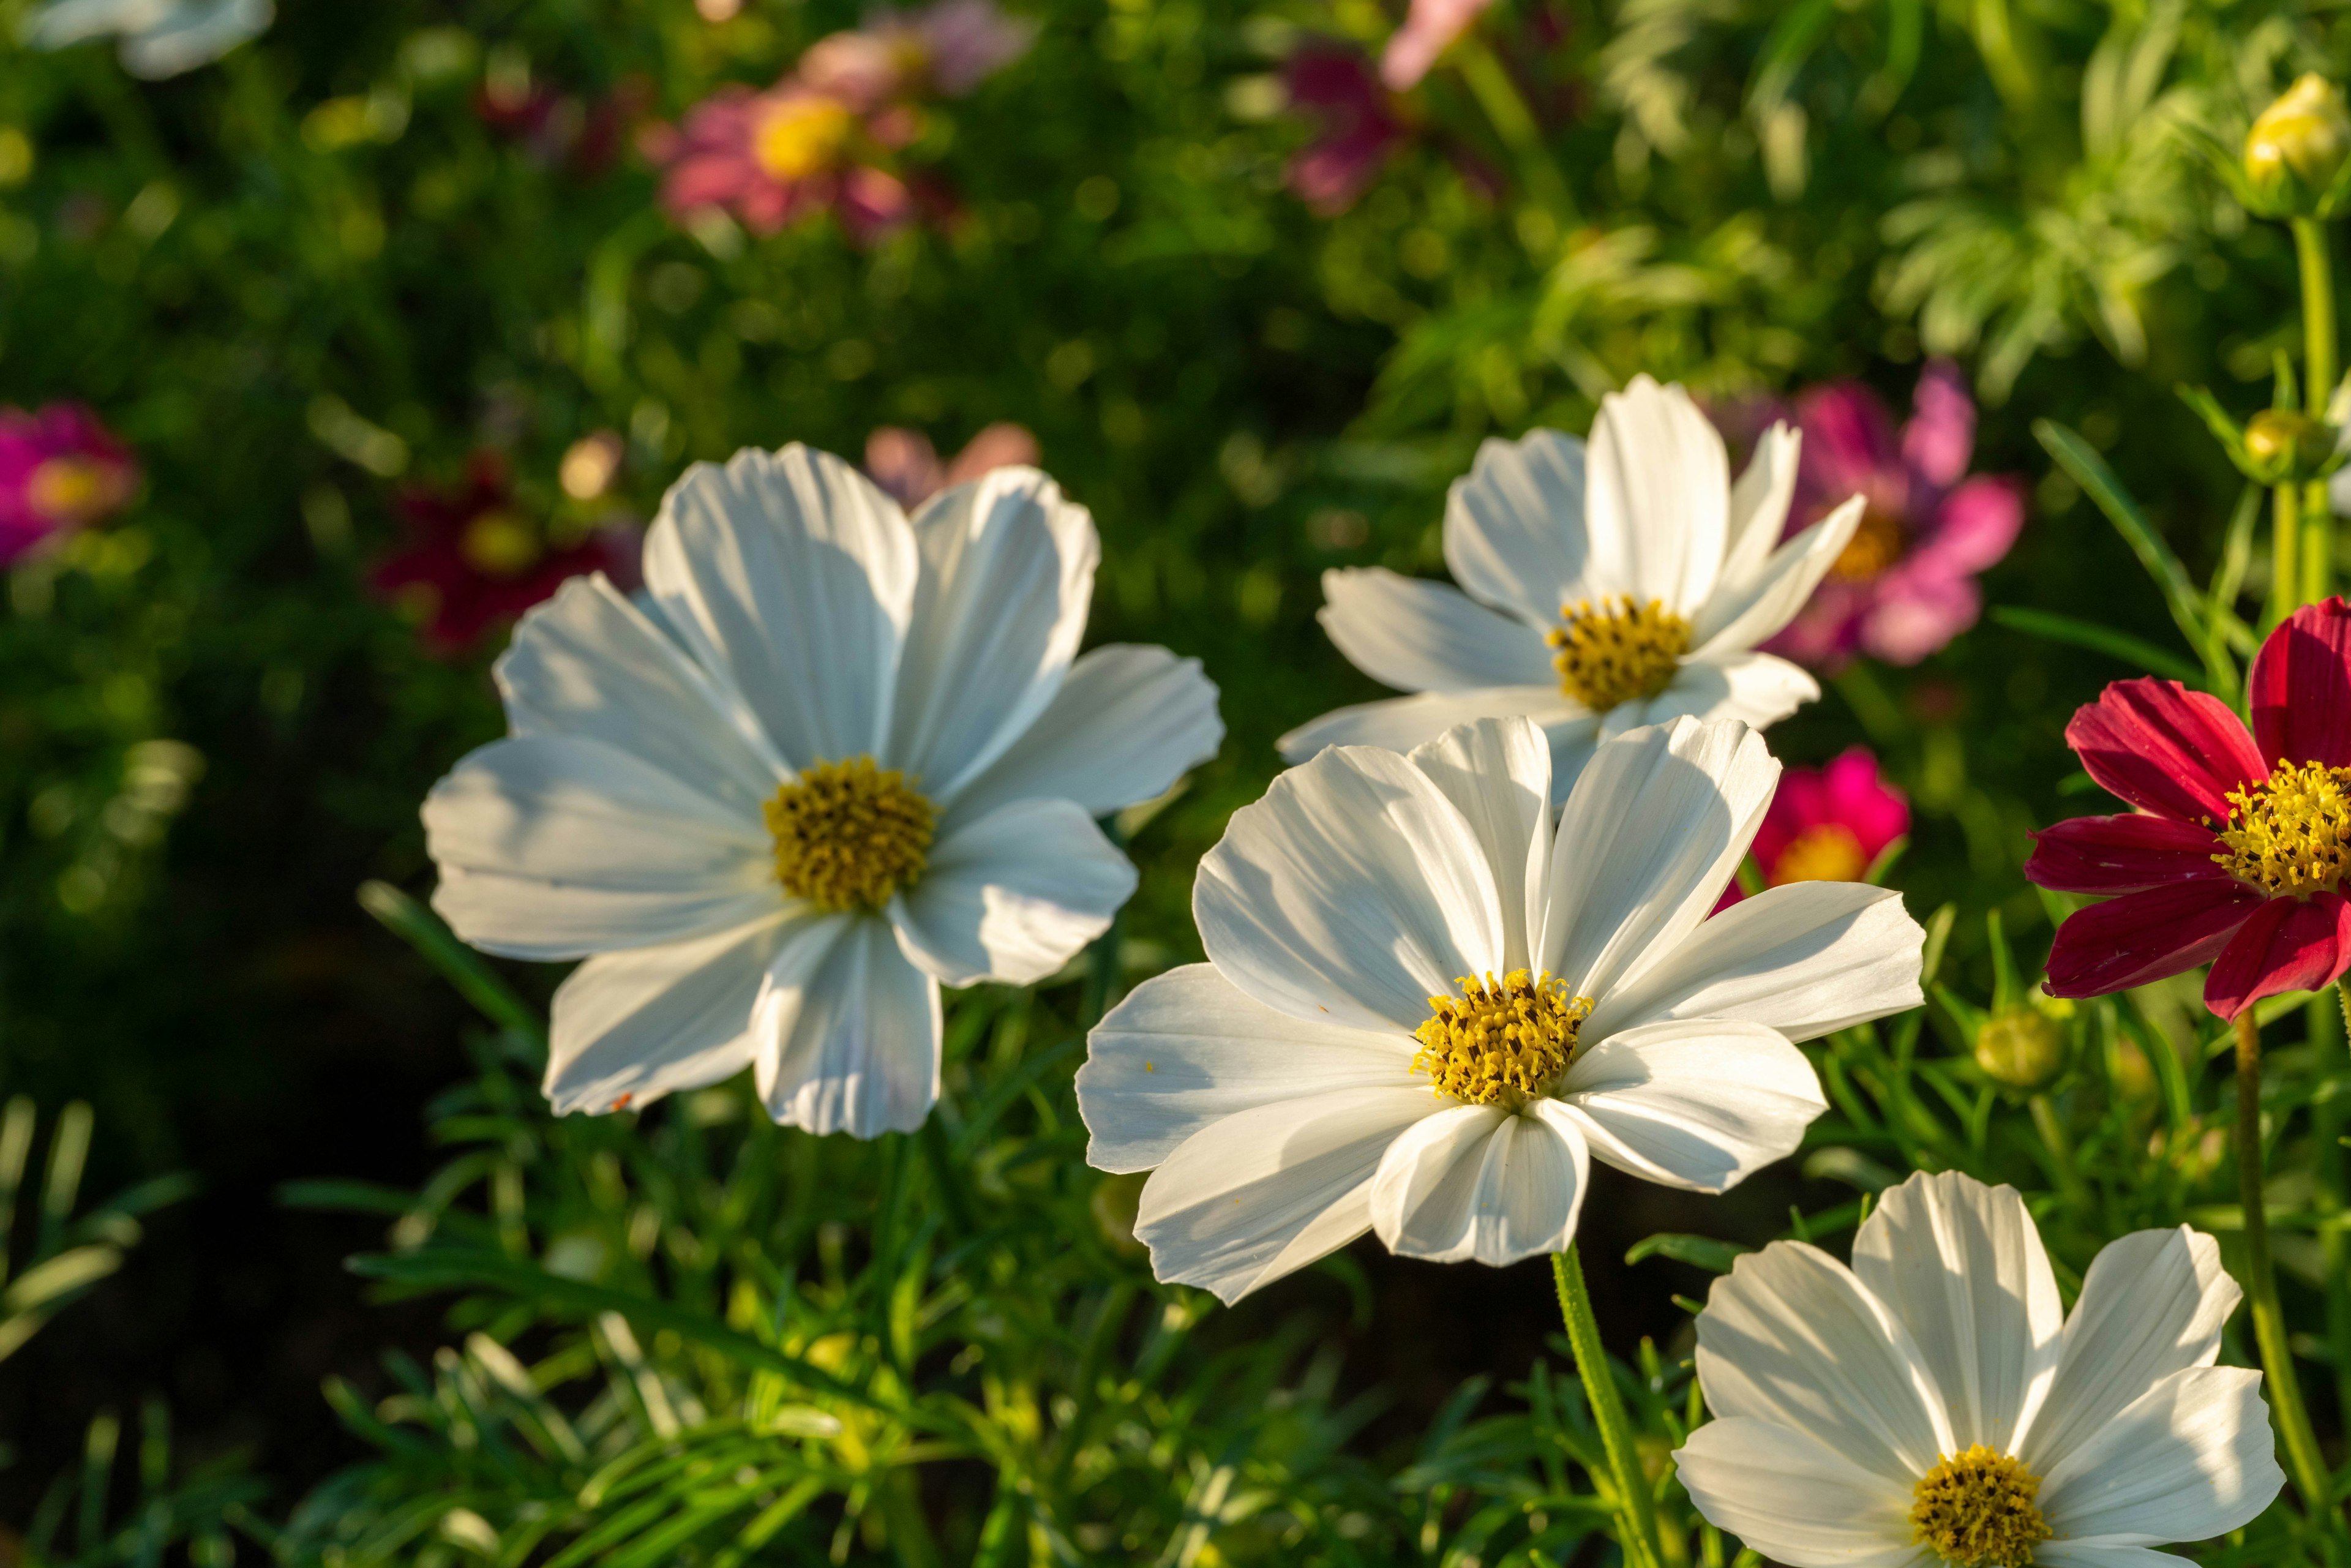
(2319, 339)
(2328, 1061)
(1506, 110)
(2303, 1457)
(1639, 1514)
(2285, 554)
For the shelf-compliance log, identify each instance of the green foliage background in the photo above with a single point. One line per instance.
(310, 273)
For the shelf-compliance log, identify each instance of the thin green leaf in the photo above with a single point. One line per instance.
(458, 964)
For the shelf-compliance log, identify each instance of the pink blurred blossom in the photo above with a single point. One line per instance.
(774, 158)
(945, 49)
(905, 464)
(1827, 824)
(1906, 586)
(60, 471)
(1358, 120)
(1429, 29)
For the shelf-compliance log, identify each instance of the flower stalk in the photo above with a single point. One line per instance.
(1638, 1514)
(2303, 1459)
(2285, 556)
(2319, 336)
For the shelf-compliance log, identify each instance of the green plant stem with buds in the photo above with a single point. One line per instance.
(2303, 1460)
(2327, 1064)
(2318, 334)
(1637, 1512)
(2285, 554)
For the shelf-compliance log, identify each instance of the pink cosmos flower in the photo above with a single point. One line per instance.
(60, 470)
(774, 158)
(1827, 824)
(905, 464)
(946, 49)
(1906, 586)
(476, 561)
(1428, 30)
(1358, 120)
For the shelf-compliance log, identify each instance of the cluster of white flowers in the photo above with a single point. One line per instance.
(833, 758)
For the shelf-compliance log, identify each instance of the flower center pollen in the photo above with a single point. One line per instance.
(497, 543)
(1976, 1509)
(802, 137)
(2290, 834)
(68, 489)
(1827, 852)
(1612, 652)
(849, 834)
(1508, 1041)
(1875, 545)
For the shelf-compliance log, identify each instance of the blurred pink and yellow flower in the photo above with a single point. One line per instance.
(1358, 120)
(944, 51)
(1429, 29)
(60, 471)
(1906, 586)
(1827, 824)
(905, 464)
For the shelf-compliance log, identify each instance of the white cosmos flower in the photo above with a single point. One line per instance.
(1327, 1072)
(1931, 1404)
(156, 37)
(1605, 590)
(837, 760)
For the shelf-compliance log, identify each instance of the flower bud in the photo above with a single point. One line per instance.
(2022, 1048)
(2294, 149)
(2283, 445)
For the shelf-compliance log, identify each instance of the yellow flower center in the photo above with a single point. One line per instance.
(1827, 852)
(2288, 834)
(1508, 1041)
(1976, 1510)
(850, 834)
(68, 489)
(802, 137)
(1613, 652)
(497, 543)
(1875, 545)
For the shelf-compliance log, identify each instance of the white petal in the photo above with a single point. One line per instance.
(1263, 1192)
(553, 848)
(1352, 892)
(1962, 1266)
(2191, 1458)
(1514, 528)
(629, 1028)
(1701, 1103)
(1759, 689)
(1127, 723)
(1013, 895)
(1659, 501)
(1791, 1337)
(1190, 1047)
(1651, 834)
(999, 609)
(848, 1032)
(1737, 618)
(1794, 1498)
(1759, 506)
(1475, 1181)
(589, 665)
(792, 575)
(2101, 1554)
(1496, 773)
(1422, 636)
(1399, 724)
(1806, 959)
(2152, 1305)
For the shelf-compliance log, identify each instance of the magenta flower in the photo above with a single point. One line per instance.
(1428, 30)
(1358, 120)
(944, 49)
(774, 158)
(1827, 824)
(60, 470)
(905, 464)
(1906, 586)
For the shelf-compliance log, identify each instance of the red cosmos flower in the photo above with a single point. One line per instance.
(2228, 859)
(475, 560)
(1827, 824)
(60, 470)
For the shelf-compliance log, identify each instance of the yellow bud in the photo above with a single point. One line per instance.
(2299, 142)
(2283, 445)
(2021, 1049)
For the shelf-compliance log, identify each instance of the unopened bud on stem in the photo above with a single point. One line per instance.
(2298, 144)
(2282, 446)
(2022, 1048)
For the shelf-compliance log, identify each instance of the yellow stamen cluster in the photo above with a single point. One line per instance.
(1612, 652)
(497, 543)
(850, 834)
(68, 489)
(1499, 1042)
(2290, 834)
(1875, 545)
(1827, 852)
(1976, 1509)
(803, 136)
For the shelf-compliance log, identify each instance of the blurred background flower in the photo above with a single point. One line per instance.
(1827, 824)
(1906, 586)
(1429, 29)
(1357, 125)
(905, 464)
(157, 37)
(60, 470)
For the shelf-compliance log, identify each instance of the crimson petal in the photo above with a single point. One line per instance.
(2288, 945)
(2120, 855)
(2300, 693)
(2143, 936)
(2165, 748)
